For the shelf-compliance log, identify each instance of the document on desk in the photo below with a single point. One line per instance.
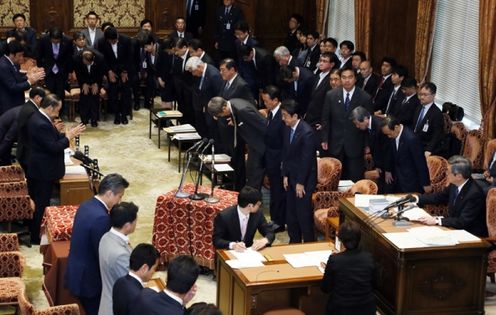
(363, 201)
(247, 255)
(180, 128)
(433, 236)
(187, 136)
(75, 170)
(308, 259)
(239, 264)
(415, 214)
(219, 168)
(404, 240)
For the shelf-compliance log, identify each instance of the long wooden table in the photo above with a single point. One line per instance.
(428, 280)
(276, 285)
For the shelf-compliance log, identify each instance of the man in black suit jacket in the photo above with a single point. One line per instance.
(180, 31)
(36, 95)
(46, 158)
(299, 82)
(396, 97)
(235, 227)
(55, 55)
(182, 273)
(299, 168)
(346, 49)
(196, 12)
(428, 121)
(92, 33)
(195, 48)
(8, 134)
(273, 156)
(250, 125)
(142, 265)
(117, 52)
(257, 68)
(12, 82)
(369, 81)
(208, 84)
(351, 288)
(385, 85)
(313, 51)
(226, 17)
(183, 81)
(235, 86)
(408, 163)
(465, 199)
(292, 42)
(339, 135)
(19, 20)
(406, 108)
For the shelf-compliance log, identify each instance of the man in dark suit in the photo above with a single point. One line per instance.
(249, 124)
(343, 140)
(299, 82)
(346, 48)
(294, 23)
(46, 156)
(183, 81)
(428, 121)
(299, 170)
(92, 33)
(55, 55)
(369, 81)
(8, 134)
(92, 221)
(117, 53)
(313, 51)
(180, 31)
(208, 84)
(195, 48)
(396, 97)
(142, 265)
(385, 85)
(465, 199)
(235, 227)
(36, 95)
(196, 12)
(89, 69)
(273, 156)
(182, 273)
(12, 82)
(408, 164)
(235, 86)
(19, 20)
(256, 67)
(351, 289)
(406, 110)
(226, 17)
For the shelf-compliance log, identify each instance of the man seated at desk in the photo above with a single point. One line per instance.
(235, 227)
(465, 199)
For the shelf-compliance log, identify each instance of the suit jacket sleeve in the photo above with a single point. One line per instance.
(9, 139)
(470, 212)
(44, 136)
(307, 158)
(420, 162)
(10, 82)
(220, 233)
(437, 125)
(264, 229)
(327, 280)
(326, 112)
(441, 197)
(97, 232)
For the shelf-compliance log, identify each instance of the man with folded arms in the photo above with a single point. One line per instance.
(465, 199)
(235, 227)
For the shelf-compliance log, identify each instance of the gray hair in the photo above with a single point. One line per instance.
(359, 114)
(113, 182)
(460, 165)
(193, 63)
(281, 51)
(216, 105)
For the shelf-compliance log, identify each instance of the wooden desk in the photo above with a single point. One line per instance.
(75, 189)
(428, 280)
(276, 285)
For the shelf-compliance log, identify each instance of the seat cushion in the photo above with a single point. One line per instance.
(10, 288)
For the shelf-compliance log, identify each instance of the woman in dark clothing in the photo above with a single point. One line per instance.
(349, 276)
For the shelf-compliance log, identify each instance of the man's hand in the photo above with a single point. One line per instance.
(230, 122)
(367, 150)
(190, 294)
(300, 190)
(239, 246)
(124, 77)
(35, 75)
(323, 265)
(85, 89)
(427, 220)
(94, 89)
(428, 189)
(388, 177)
(161, 82)
(111, 76)
(324, 145)
(59, 125)
(318, 126)
(427, 154)
(285, 183)
(260, 244)
(76, 131)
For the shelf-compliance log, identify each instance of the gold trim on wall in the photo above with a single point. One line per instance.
(10, 7)
(122, 13)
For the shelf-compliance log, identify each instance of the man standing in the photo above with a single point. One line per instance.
(299, 168)
(8, 134)
(196, 12)
(142, 265)
(226, 17)
(181, 30)
(182, 273)
(410, 102)
(235, 227)
(465, 199)
(19, 20)
(273, 156)
(46, 158)
(249, 124)
(92, 33)
(235, 86)
(344, 141)
(12, 82)
(299, 81)
(409, 167)
(369, 80)
(114, 251)
(92, 220)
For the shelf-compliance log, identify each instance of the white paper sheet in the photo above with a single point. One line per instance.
(75, 170)
(187, 136)
(362, 201)
(432, 235)
(238, 263)
(223, 168)
(404, 240)
(248, 255)
(308, 259)
(415, 214)
(463, 236)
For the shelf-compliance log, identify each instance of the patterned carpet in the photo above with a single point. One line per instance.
(128, 151)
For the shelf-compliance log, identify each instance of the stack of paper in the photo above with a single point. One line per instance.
(432, 235)
(223, 168)
(308, 259)
(429, 236)
(180, 128)
(219, 158)
(247, 259)
(344, 185)
(75, 170)
(187, 136)
(169, 114)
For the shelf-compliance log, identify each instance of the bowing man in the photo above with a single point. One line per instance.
(235, 227)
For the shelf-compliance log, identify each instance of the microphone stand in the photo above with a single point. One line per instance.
(196, 195)
(188, 155)
(212, 198)
(399, 220)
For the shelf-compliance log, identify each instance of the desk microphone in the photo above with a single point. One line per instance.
(197, 145)
(78, 155)
(408, 198)
(196, 195)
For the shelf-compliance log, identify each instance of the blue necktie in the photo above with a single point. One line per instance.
(421, 116)
(347, 102)
(201, 83)
(291, 135)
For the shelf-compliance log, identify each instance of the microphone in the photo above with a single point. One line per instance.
(408, 198)
(196, 195)
(210, 142)
(197, 145)
(78, 155)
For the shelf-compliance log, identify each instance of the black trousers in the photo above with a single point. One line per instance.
(299, 215)
(88, 107)
(353, 167)
(277, 198)
(90, 304)
(40, 191)
(254, 169)
(120, 105)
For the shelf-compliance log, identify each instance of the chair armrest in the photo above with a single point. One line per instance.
(9, 242)
(16, 208)
(13, 189)
(327, 199)
(66, 309)
(12, 264)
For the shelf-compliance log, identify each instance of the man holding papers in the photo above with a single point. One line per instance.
(465, 199)
(235, 227)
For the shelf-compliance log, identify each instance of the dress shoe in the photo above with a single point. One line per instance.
(136, 106)
(94, 123)
(117, 119)
(278, 228)
(124, 120)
